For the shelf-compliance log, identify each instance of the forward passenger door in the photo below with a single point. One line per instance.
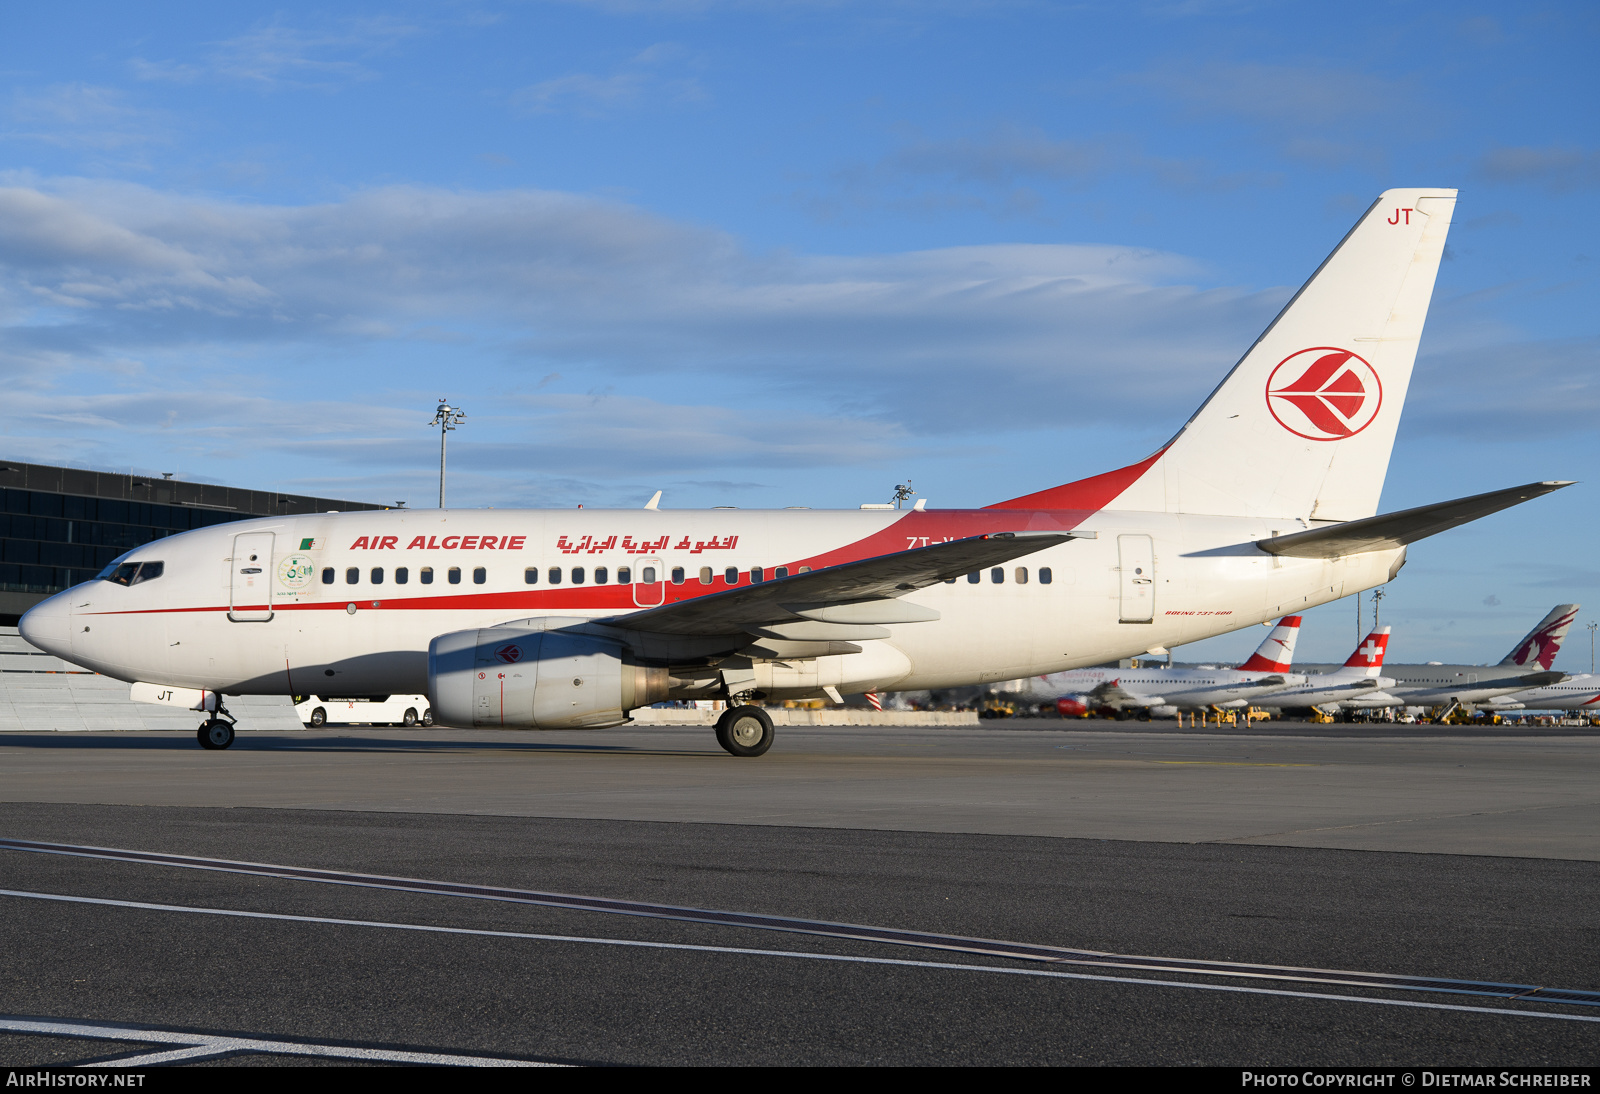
(250, 578)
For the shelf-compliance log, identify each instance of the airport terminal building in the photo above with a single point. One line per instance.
(60, 526)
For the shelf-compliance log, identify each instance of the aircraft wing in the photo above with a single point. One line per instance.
(1112, 693)
(880, 578)
(1389, 530)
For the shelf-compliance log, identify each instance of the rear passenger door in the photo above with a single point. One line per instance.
(1136, 561)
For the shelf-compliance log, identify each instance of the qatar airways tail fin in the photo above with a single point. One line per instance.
(1368, 658)
(1303, 425)
(1542, 643)
(1276, 654)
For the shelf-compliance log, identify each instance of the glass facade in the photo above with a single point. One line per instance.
(49, 542)
(60, 526)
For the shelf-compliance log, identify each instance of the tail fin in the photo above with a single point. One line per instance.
(1276, 654)
(1542, 643)
(1368, 658)
(1303, 425)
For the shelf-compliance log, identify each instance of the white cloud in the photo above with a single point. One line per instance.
(81, 116)
(1557, 167)
(654, 74)
(275, 55)
(573, 279)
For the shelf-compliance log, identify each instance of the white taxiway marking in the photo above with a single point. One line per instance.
(196, 1046)
(843, 958)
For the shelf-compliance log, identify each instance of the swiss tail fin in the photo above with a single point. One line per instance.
(1303, 425)
(1542, 643)
(1368, 658)
(1276, 654)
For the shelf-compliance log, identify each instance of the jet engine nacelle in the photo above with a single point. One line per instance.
(526, 676)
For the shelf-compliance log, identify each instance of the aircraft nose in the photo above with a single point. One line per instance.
(49, 626)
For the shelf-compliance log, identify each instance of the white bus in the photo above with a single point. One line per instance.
(370, 710)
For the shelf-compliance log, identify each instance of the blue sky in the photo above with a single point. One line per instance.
(791, 253)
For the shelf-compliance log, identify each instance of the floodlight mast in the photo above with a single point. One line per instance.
(447, 417)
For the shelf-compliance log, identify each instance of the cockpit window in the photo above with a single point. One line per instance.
(132, 573)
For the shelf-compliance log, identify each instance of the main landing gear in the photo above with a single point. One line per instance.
(745, 731)
(215, 733)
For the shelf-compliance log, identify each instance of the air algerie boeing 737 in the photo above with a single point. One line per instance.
(1262, 505)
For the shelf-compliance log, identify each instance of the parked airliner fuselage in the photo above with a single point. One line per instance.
(331, 611)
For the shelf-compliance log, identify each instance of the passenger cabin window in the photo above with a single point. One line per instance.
(577, 575)
(554, 576)
(425, 575)
(479, 575)
(600, 575)
(648, 575)
(677, 575)
(730, 576)
(1044, 575)
(973, 579)
(530, 576)
(705, 575)
(949, 581)
(781, 572)
(624, 575)
(757, 576)
(998, 575)
(1022, 575)
(805, 569)
(401, 575)
(327, 575)
(352, 575)
(377, 575)
(454, 574)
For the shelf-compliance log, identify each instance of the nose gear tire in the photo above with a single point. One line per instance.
(745, 731)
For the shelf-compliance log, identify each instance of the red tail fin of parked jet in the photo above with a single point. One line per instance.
(1369, 655)
(1276, 653)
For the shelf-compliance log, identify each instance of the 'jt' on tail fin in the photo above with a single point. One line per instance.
(1303, 425)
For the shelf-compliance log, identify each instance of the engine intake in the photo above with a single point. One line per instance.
(528, 676)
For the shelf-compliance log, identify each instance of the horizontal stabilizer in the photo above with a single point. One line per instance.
(879, 578)
(1389, 530)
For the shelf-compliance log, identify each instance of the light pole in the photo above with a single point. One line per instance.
(1591, 627)
(1377, 596)
(447, 417)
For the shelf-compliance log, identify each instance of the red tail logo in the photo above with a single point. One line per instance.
(1326, 394)
(1543, 644)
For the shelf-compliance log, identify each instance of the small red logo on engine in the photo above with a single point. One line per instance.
(1324, 394)
(510, 653)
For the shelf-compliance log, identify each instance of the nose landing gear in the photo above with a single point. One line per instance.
(214, 733)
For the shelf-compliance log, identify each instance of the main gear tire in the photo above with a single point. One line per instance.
(745, 731)
(215, 735)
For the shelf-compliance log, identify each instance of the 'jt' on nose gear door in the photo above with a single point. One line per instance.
(250, 578)
(1136, 559)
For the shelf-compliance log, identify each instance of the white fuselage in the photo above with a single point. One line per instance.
(282, 630)
(1575, 693)
(1187, 689)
